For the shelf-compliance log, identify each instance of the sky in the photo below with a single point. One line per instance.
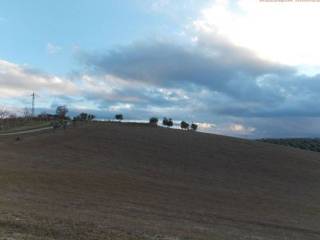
(244, 68)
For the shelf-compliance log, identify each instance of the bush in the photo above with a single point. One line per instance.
(62, 111)
(153, 121)
(84, 117)
(184, 125)
(119, 117)
(194, 127)
(167, 122)
(56, 124)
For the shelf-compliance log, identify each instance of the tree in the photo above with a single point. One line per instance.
(26, 113)
(4, 114)
(91, 117)
(12, 116)
(119, 117)
(62, 111)
(184, 125)
(167, 122)
(194, 127)
(83, 116)
(153, 121)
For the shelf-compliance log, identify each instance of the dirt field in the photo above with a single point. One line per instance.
(126, 181)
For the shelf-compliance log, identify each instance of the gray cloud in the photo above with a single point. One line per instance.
(219, 66)
(222, 83)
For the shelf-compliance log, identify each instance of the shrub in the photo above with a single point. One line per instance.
(62, 111)
(153, 121)
(194, 127)
(91, 117)
(84, 117)
(119, 117)
(167, 122)
(184, 125)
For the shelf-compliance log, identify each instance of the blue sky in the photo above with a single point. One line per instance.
(236, 67)
(29, 26)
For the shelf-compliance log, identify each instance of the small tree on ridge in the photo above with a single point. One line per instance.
(119, 117)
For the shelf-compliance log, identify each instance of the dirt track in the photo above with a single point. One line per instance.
(127, 181)
(26, 131)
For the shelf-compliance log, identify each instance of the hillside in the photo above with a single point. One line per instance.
(130, 181)
(311, 144)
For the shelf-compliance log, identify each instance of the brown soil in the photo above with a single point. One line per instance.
(130, 181)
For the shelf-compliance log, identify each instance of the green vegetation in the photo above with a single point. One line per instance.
(119, 117)
(311, 144)
(167, 122)
(184, 125)
(194, 127)
(153, 121)
(84, 117)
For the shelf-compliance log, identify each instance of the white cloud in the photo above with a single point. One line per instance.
(159, 5)
(241, 129)
(120, 107)
(281, 32)
(53, 49)
(16, 80)
(206, 126)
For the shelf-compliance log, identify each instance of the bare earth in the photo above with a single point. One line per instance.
(129, 181)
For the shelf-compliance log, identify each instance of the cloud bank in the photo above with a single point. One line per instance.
(218, 79)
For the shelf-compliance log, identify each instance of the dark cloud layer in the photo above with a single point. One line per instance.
(220, 67)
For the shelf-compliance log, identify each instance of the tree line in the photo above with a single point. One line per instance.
(168, 122)
(60, 118)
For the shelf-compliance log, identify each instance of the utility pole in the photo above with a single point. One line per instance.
(33, 95)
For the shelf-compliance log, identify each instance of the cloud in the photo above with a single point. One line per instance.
(219, 111)
(169, 8)
(206, 126)
(17, 82)
(105, 94)
(216, 65)
(213, 80)
(281, 32)
(120, 107)
(53, 49)
(159, 5)
(239, 128)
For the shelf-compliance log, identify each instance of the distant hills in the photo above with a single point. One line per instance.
(311, 144)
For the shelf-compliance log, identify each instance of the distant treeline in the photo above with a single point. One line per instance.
(311, 144)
